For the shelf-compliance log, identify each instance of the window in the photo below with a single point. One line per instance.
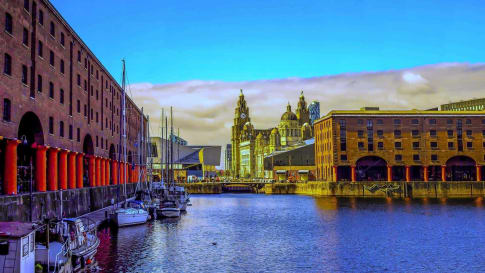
(79, 56)
(85, 110)
(434, 157)
(397, 122)
(432, 133)
(51, 57)
(24, 74)
(414, 122)
(78, 106)
(62, 66)
(61, 96)
(468, 121)
(380, 133)
(416, 145)
(39, 83)
(78, 80)
(97, 94)
(8, 23)
(25, 246)
(70, 131)
(380, 122)
(85, 85)
(40, 49)
(380, 145)
(78, 135)
(432, 121)
(415, 133)
(398, 157)
(360, 145)
(26, 5)
(360, 122)
(416, 157)
(25, 37)
(451, 145)
(483, 121)
(397, 145)
(51, 125)
(61, 129)
(53, 29)
(469, 144)
(97, 120)
(6, 109)
(450, 133)
(433, 144)
(397, 133)
(469, 133)
(62, 39)
(97, 141)
(343, 157)
(449, 121)
(51, 90)
(360, 133)
(41, 17)
(7, 65)
(85, 63)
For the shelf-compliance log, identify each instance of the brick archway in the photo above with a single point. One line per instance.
(461, 168)
(371, 168)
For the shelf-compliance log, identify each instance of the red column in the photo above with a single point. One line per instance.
(10, 171)
(335, 177)
(63, 169)
(52, 170)
(408, 173)
(425, 173)
(71, 170)
(114, 171)
(92, 171)
(353, 174)
(98, 171)
(479, 173)
(40, 168)
(443, 173)
(106, 170)
(102, 163)
(79, 170)
(389, 173)
(122, 172)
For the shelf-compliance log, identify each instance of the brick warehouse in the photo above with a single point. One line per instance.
(62, 110)
(373, 145)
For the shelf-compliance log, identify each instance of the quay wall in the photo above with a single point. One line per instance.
(76, 202)
(415, 189)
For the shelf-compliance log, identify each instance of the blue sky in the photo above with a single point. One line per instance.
(171, 40)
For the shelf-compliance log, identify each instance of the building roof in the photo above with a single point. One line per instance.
(414, 112)
(15, 229)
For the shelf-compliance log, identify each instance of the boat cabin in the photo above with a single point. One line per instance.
(17, 247)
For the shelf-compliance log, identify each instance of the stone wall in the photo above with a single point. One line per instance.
(76, 202)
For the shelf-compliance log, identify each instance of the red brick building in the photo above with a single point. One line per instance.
(61, 109)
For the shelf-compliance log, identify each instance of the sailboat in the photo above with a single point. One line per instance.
(134, 212)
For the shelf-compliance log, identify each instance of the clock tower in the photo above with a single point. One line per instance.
(241, 116)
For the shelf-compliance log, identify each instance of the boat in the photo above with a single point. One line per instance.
(133, 214)
(182, 197)
(83, 240)
(28, 247)
(169, 209)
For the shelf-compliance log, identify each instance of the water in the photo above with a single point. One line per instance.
(293, 233)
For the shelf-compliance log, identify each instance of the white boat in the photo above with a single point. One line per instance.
(168, 209)
(133, 214)
(83, 240)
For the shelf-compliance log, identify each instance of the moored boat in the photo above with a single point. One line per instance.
(83, 240)
(168, 209)
(133, 214)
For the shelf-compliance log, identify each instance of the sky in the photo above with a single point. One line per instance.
(196, 55)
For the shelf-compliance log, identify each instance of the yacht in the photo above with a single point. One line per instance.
(134, 214)
(83, 240)
(182, 197)
(168, 208)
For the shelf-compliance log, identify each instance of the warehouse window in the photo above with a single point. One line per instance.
(61, 96)
(70, 132)
(449, 121)
(24, 74)
(397, 133)
(434, 144)
(25, 37)
(79, 56)
(62, 66)
(78, 135)
(415, 133)
(51, 125)
(380, 122)
(39, 83)
(434, 157)
(41, 17)
(51, 90)
(432, 121)
(432, 133)
(61, 129)
(78, 80)
(6, 109)
(40, 49)
(469, 133)
(398, 157)
(416, 157)
(7, 65)
(53, 29)
(469, 144)
(62, 39)
(450, 133)
(26, 5)
(468, 121)
(451, 145)
(416, 145)
(380, 145)
(51, 57)
(397, 145)
(397, 122)
(8, 23)
(414, 122)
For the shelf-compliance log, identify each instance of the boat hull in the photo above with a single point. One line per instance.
(168, 212)
(122, 219)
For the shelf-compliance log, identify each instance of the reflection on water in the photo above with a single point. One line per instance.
(292, 233)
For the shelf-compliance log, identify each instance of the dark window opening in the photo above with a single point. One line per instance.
(25, 37)
(51, 58)
(61, 129)
(24, 74)
(39, 83)
(8, 23)
(40, 49)
(7, 110)
(53, 29)
(61, 96)
(7, 65)
(51, 90)
(51, 125)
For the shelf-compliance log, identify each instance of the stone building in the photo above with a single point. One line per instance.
(61, 109)
(413, 145)
(467, 105)
(250, 145)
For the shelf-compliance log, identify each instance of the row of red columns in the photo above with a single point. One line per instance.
(66, 169)
(407, 174)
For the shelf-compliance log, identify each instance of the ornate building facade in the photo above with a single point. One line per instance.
(250, 146)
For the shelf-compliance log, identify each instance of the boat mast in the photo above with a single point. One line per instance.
(123, 86)
(166, 151)
(171, 146)
(162, 147)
